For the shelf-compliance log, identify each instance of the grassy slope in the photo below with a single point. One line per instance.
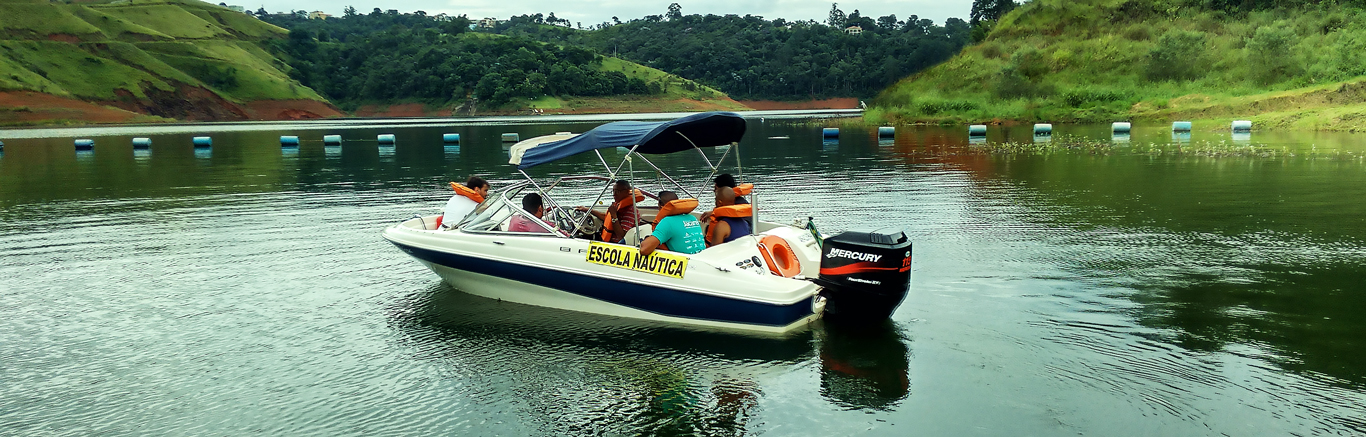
(140, 47)
(1090, 61)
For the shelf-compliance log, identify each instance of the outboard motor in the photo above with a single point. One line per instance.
(865, 274)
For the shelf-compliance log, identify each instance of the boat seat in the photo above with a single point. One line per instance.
(633, 238)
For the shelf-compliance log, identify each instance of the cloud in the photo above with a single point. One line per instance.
(589, 13)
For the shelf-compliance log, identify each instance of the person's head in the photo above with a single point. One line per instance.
(725, 180)
(532, 204)
(725, 196)
(621, 190)
(479, 185)
(667, 196)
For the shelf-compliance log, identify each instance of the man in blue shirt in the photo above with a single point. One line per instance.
(680, 233)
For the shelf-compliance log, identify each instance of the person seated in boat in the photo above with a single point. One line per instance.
(677, 230)
(533, 205)
(727, 221)
(621, 216)
(726, 180)
(466, 197)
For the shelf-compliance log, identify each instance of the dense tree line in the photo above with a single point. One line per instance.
(384, 56)
(751, 57)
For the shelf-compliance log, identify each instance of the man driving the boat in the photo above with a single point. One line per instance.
(728, 219)
(533, 205)
(621, 216)
(466, 198)
(680, 232)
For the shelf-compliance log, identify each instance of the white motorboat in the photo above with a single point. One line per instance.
(776, 280)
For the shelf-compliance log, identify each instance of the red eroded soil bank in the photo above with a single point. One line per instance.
(773, 105)
(27, 107)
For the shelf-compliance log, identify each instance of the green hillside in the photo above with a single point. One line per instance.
(144, 56)
(1286, 63)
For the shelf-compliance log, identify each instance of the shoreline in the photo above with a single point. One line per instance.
(181, 127)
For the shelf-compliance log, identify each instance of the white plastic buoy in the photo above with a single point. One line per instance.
(450, 138)
(1242, 125)
(289, 140)
(385, 138)
(830, 132)
(1120, 127)
(85, 144)
(1181, 126)
(332, 140)
(142, 143)
(203, 142)
(511, 137)
(1043, 129)
(977, 130)
(886, 131)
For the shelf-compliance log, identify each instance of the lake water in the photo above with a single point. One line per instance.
(245, 289)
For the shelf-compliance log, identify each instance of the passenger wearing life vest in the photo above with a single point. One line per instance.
(621, 216)
(727, 221)
(466, 198)
(677, 230)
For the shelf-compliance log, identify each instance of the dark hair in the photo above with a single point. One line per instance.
(726, 180)
(666, 196)
(531, 202)
(622, 183)
(476, 182)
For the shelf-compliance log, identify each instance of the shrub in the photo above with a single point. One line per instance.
(1178, 55)
(1268, 53)
(1138, 32)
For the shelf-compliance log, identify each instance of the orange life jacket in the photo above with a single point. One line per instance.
(733, 211)
(608, 223)
(743, 189)
(676, 207)
(467, 192)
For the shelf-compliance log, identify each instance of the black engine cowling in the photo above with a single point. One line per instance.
(865, 274)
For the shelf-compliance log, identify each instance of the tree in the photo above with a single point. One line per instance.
(349, 12)
(989, 10)
(675, 12)
(836, 18)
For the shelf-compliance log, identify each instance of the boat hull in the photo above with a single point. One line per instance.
(586, 291)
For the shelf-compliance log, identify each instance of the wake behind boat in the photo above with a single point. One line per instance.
(776, 279)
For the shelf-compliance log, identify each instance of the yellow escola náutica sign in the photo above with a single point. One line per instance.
(627, 257)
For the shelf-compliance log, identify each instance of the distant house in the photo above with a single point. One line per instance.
(318, 15)
(488, 23)
(853, 30)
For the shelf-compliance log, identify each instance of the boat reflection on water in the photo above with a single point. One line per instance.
(585, 371)
(864, 366)
(620, 375)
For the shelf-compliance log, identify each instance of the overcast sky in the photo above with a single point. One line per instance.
(591, 12)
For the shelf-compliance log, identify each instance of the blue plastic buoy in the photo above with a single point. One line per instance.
(385, 138)
(1120, 127)
(886, 131)
(203, 142)
(85, 144)
(1181, 126)
(830, 132)
(289, 140)
(142, 143)
(1242, 126)
(332, 140)
(1043, 129)
(450, 138)
(511, 137)
(977, 130)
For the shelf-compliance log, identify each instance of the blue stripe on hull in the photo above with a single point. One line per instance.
(657, 300)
